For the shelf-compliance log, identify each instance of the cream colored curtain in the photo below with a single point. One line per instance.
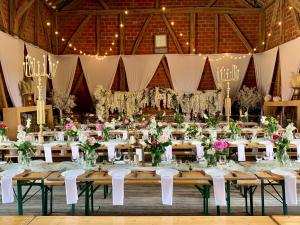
(289, 55)
(226, 60)
(99, 71)
(140, 70)
(186, 71)
(64, 77)
(264, 69)
(12, 57)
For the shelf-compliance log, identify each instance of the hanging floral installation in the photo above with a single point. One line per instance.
(131, 102)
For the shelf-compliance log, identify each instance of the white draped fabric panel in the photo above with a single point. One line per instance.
(289, 54)
(140, 70)
(64, 77)
(38, 54)
(99, 71)
(226, 60)
(186, 71)
(12, 57)
(264, 64)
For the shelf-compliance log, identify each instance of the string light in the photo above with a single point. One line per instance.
(279, 23)
(126, 12)
(187, 43)
(163, 8)
(70, 44)
(62, 39)
(254, 49)
(263, 43)
(113, 43)
(56, 32)
(172, 23)
(290, 7)
(74, 49)
(48, 24)
(121, 25)
(181, 34)
(269, 34)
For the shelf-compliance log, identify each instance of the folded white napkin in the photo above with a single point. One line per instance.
(75, 151)
(48, 153)
(241, 151)
(199, 149)
(269, 150)
(7, 184)
(71, 186)
(290, 185)
(125, 135)
(166, 176)
(110, 151)
(168, 152)
(218, 185)
(61, 136)
(139, 153)
(118, 185)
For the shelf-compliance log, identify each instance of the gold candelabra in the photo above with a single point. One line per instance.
(227, 75)
(32, 69)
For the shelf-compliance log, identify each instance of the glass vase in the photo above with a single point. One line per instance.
(211, 161)
(156, 159)
(2, 138)
(282, 158)
(90, 159)
(24, 158)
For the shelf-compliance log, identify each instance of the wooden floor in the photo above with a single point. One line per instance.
(146, 200)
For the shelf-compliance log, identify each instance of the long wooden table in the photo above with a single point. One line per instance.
(16, 220)
(287, 220)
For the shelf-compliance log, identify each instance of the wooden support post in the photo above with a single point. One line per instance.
(4, 22)
(273, 21)
(156, 3)
(238, 33)
(141, 35)
(122, 52)
(167, 71)
(37, 21)
(98, 35)
(172, 33)
(20, 12)
(262, 31)
(12, 15)
(77, 31)
(216, 33)
(192, 32)
(45, 31)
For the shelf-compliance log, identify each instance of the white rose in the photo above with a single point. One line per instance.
(205, 116)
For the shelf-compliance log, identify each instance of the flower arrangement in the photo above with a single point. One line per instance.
(270, 124)
(193, 131)
(212, 120)
(235, 129)
(244, 117)
(178, 118)
(160, 115)
(290, 128)
(63, 102)
(25, 150)
(89, 147)
(158, 141)
(214, 150)
(282, 144)
(249, 98)
(21, 134)
(3, 129)
(71, 130)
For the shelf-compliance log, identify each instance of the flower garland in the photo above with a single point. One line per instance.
(132, 102)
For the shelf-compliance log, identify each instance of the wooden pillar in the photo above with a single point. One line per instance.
(98, 35)
(12, 15)
(122, 51)
(216, 45)
(192, 32)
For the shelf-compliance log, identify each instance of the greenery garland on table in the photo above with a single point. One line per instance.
(132, 102)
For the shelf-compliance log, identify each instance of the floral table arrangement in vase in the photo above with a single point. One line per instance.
(158, 141)
(270, 124)
(25, 150)
(3, 131)
(179, 119)
(235, 129)
(215, 151)
(192, 131)
(282, 144)
(71, 131)
(89, 148)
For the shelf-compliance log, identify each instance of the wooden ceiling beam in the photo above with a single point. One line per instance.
(211, 3)
(45, 30)
(238, 32)
(141, 34)
(3, 17)
(214, 10)
(77, 31)
(245, 3)
(103, 4)
(12, 14)
(172, 33)
(295, 4)
(20, 12)
(70, 4)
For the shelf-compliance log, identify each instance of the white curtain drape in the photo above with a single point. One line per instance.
(12, 57)
(289, 55)
(99, 71)
(186, 71)
(38, 54)
(264, 64)
(66, 68)
(226, 60)
(140, 70)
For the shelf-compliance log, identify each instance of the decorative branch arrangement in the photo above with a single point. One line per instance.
(131, 103)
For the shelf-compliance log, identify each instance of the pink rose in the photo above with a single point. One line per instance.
(126, 122)
(154, 142)
(69, 126)
(99, 127)
(220, 145)
(92, 141)
(28, 138)
(146, 122)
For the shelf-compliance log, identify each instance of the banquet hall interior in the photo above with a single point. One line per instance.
(139, 112)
